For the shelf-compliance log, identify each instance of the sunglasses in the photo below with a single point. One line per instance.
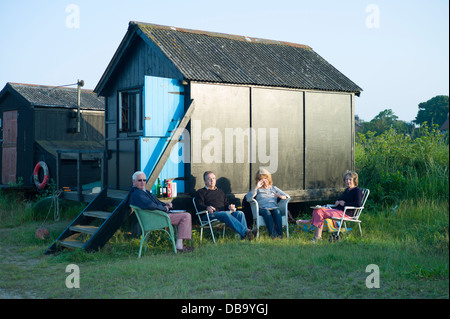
(141, 180)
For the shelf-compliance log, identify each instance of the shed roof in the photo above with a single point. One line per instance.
(54, 96)
(224, 58)
(52, 147)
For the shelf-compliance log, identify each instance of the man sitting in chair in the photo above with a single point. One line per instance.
(213, 200)
(142, 198)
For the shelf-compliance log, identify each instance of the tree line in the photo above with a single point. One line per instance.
(433, 112)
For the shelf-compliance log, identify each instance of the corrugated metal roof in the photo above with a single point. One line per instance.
(217, 57)
(51, 96)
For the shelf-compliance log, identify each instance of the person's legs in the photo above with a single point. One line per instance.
(240, 216)
(277, 218)
(183, 222)
(319, 215)
(267, 216)
(318, 233)
(236, 222)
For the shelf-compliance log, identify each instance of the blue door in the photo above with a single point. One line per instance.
(163, 111)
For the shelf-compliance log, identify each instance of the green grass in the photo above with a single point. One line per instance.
(410, 246)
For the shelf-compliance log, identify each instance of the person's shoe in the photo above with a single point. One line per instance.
(186, 249)
(249, 235)
(315, 240)
(334, 238)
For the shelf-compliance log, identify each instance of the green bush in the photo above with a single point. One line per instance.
(397, 167)
(15, 209)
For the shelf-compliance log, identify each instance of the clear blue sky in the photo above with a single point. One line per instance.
(397, 51)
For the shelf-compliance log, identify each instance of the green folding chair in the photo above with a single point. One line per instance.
(151, 220)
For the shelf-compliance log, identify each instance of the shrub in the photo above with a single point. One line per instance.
(397, 167)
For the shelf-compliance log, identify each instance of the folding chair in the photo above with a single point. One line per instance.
(355, 219)
(259, 220)
(210, 223)
(151, 220)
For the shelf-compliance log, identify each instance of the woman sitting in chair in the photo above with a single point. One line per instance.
(267, 195)
(352, 196)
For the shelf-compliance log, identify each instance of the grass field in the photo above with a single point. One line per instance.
(409, 246)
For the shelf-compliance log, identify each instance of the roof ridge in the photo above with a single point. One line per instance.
(48, 87)
(219, 34)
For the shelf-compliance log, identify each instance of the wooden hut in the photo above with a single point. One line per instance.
(38, 121)
(179, 102)
(242, 103)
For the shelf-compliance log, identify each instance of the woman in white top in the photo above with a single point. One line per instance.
(267, 195)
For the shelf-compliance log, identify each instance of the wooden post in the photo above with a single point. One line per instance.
(102, 170)
(58, 170)
(79, 184)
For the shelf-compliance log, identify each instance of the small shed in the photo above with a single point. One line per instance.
(37, 121)
(248, 103)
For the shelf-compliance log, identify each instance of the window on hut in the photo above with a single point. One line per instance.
(130, 114)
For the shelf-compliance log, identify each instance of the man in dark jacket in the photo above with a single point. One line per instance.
(142, 198)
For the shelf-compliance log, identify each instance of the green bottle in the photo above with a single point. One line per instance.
(158, 188)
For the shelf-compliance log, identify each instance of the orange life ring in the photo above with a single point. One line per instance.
(39, 165)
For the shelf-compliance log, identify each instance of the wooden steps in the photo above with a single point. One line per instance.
(71, 244)
(97, 214)
(85, 229)
(94, 226)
